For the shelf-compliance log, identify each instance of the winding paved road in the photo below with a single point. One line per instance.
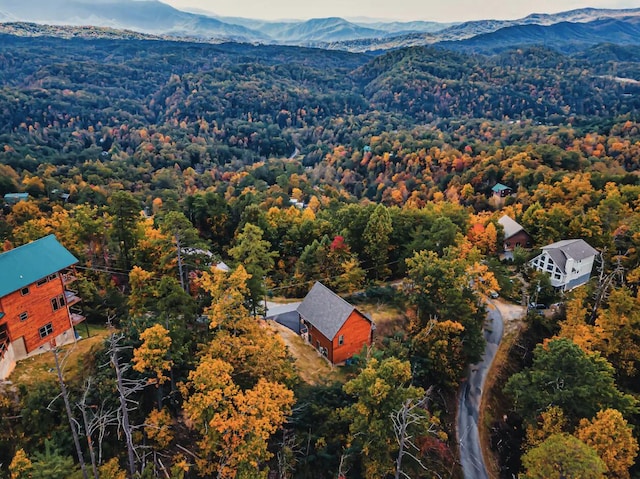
(471, 458)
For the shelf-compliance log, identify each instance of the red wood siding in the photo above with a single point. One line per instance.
(317, 340)
(37, 305)
(356, 332)
(521, 238)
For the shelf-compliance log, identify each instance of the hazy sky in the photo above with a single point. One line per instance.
(435, 10)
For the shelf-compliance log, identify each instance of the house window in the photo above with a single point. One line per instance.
(549, 267)
(23, 316)
(341, 340)
(51, 277)
(24, 291)
(317, 344)
(57, 302)
(42, 281)
(45, 330)
(556, 276)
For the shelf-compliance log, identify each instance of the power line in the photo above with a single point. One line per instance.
(330, 277)
(123, 272)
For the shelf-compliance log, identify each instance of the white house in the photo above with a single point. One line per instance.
(568, 263)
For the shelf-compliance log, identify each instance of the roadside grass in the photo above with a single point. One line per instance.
(283, 300)
(494, 403)
(74, 358)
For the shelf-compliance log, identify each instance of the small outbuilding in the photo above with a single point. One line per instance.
(501, 191)
(333, 326)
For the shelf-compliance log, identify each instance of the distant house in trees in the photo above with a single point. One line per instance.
(13, 198)
(37, 308)
(298, 204)
(501, 191)
(514, 234)
(568, 263)
(332, 325)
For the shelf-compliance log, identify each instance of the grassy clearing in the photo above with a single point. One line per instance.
(311, 367)
(388, 319)
(42, 367)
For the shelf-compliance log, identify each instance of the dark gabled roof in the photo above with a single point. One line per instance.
(27, 264)
(510, 226)
(325, 310)
(576, 249)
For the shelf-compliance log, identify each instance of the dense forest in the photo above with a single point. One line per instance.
(151, 161)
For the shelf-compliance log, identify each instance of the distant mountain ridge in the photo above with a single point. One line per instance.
(471, 29)
(152, 17)
(145, 16)
(564, 36)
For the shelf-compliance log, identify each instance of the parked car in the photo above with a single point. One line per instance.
(538, 306)
(494, 294)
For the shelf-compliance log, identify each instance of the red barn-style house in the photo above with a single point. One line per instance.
(514, 234)
(332, 325)
(36, 304)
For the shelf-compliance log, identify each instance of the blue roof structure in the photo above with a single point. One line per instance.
(13, 198)
(499, 187)
(27, 264)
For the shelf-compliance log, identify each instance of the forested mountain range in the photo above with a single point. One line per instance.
(295, 165)
(156, 18)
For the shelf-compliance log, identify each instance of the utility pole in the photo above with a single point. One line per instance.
(179, 246)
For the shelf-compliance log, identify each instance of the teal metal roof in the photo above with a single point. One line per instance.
(16, 196)
(500, 187)
(27, 264)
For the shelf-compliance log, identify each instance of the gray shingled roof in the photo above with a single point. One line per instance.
(325, 310)
(576, 249)
(510, 226)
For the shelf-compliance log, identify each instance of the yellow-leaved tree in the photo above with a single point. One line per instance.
(611, 437)
(152, 354)
(235, 425)
(21, 466)
(228, 292)
(142, 294)
(575, 326)
(550, 422)
(236, 397)
(158, 428)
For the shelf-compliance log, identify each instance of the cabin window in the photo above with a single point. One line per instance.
(42, 281)
(341, 340)
(57, 302)
(46, 330)
(23, 316)
(24, 291)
